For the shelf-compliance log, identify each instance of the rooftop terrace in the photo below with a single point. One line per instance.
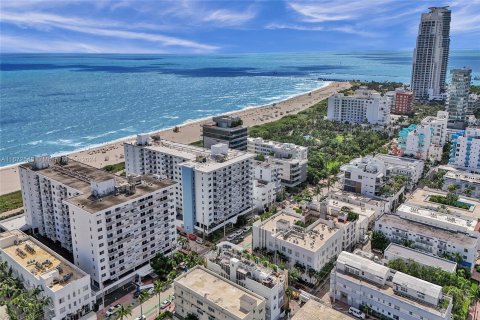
(39, 261)
(318, 311)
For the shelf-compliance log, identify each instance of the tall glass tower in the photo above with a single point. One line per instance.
(457, 102)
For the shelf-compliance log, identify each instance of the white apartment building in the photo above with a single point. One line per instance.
(431, 239)
(412, 169)
(364, 175)
(119, 227)
(35, 266)
(311, 247)
(457, 96)
(430, 58)
(209, 296)
(438, 139)
(465, 149)
(416, 141)
(214, 186)
(360, 282)
(468, 184)
(377, 205)
(364, 107)
(266, 184)
(395, 251)
(229, 262)
(290, 158)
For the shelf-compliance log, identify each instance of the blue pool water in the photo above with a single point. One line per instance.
(52, 104)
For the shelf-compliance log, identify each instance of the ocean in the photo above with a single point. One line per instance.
(59, 103)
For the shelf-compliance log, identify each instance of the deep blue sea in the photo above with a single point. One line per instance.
(57, 103)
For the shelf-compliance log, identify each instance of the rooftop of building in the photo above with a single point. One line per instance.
(399, 161)
(72, 173)
(420, 197)
(16, 222)
(318, 311)
(402, 279)
(144, 186)
(361, 93)
(282, 226)
(214, 162)
(366, 164)
(226, 122)
(177, 149)
(38, 260)
(424, 258)
(409, 211)
(409, 226)
(339, 205)
(219, 291)
(463, 175)
(282, 145)
(227, 252)
(338, 193)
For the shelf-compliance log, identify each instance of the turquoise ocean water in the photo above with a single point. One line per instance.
(53, 104)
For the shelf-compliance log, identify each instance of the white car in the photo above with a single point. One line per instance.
(199, 241)
(246, 229)
(142, 317)
(356, 313)
(238, 233)
(231, 237)
(111, 310)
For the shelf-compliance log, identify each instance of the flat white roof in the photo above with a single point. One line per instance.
(419, 285)
(395, 251)
(313, 310)
(464, 176)
(363, 264)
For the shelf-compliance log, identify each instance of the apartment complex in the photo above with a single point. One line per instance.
(465, 149)
(229, 262)
(414, 141)
(290, 158)
(364, 175)
(214, 186)
(412, 169)
(266, 184)
(395, 251)
(432, 239)
(360, 282)
(209, 296)
(402, 103)
(311, 247)
(112, 226)
(458, 97)
(468, 184)
(430, 57)
(365, 107)
(225, 129)
(377, 205)
(36, 266)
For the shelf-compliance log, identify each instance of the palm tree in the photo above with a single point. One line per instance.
(158, 288)
(142, 297)
(289, 295)
(183, 241)
(123, 311)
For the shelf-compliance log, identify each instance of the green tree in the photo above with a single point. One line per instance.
(289, 295)
(191, 316)
(123, 312)
(379, 241)
(142, 297)
(158, 287)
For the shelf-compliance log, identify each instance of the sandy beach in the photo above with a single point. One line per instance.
(111, 153)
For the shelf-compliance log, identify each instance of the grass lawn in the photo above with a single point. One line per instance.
(11, 201)
(198, 143)
(114, 168)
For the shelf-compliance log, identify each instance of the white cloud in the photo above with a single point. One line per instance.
(465, 16)
(230, 18)
(276, 26)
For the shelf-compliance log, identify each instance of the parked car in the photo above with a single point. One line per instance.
(142, 317)
(199, 241)
(231, 237)
(192, 237)
(246, 229)
(165, 304)
(356, 313)
(238, 232)
(111, 310)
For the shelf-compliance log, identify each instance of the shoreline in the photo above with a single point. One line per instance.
(190, 131)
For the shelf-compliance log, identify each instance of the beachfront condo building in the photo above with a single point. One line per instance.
(214, 186)
(434, 232)
(208, 295)
(115, 226)
(37, 266)
(266, 184)
(430, 57)
(230, 262)
(225, 129)
(465, 149)
(290, 158)
(402, 103)
(364, 107)
(386, 293)
(468, 184)
(311, 247)
(457, 97)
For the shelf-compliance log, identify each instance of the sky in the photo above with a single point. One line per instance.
(229, 26)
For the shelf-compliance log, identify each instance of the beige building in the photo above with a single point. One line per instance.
(313, 310)
(210, 296)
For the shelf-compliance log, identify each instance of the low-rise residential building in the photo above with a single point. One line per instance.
(395, 251)
(363, 283)
(473, 103)
(312, 247)
(225, 129)
(414, 141)
(214, 186)
(465, 150)
(209, 296)
(229, 261)
(318, 311)
(379, 206)
(363, 107)
(290, 158)
(266, 184)
(37, 266)
(439, 125)
(412, 169)
(468, 184)
(434, 240)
